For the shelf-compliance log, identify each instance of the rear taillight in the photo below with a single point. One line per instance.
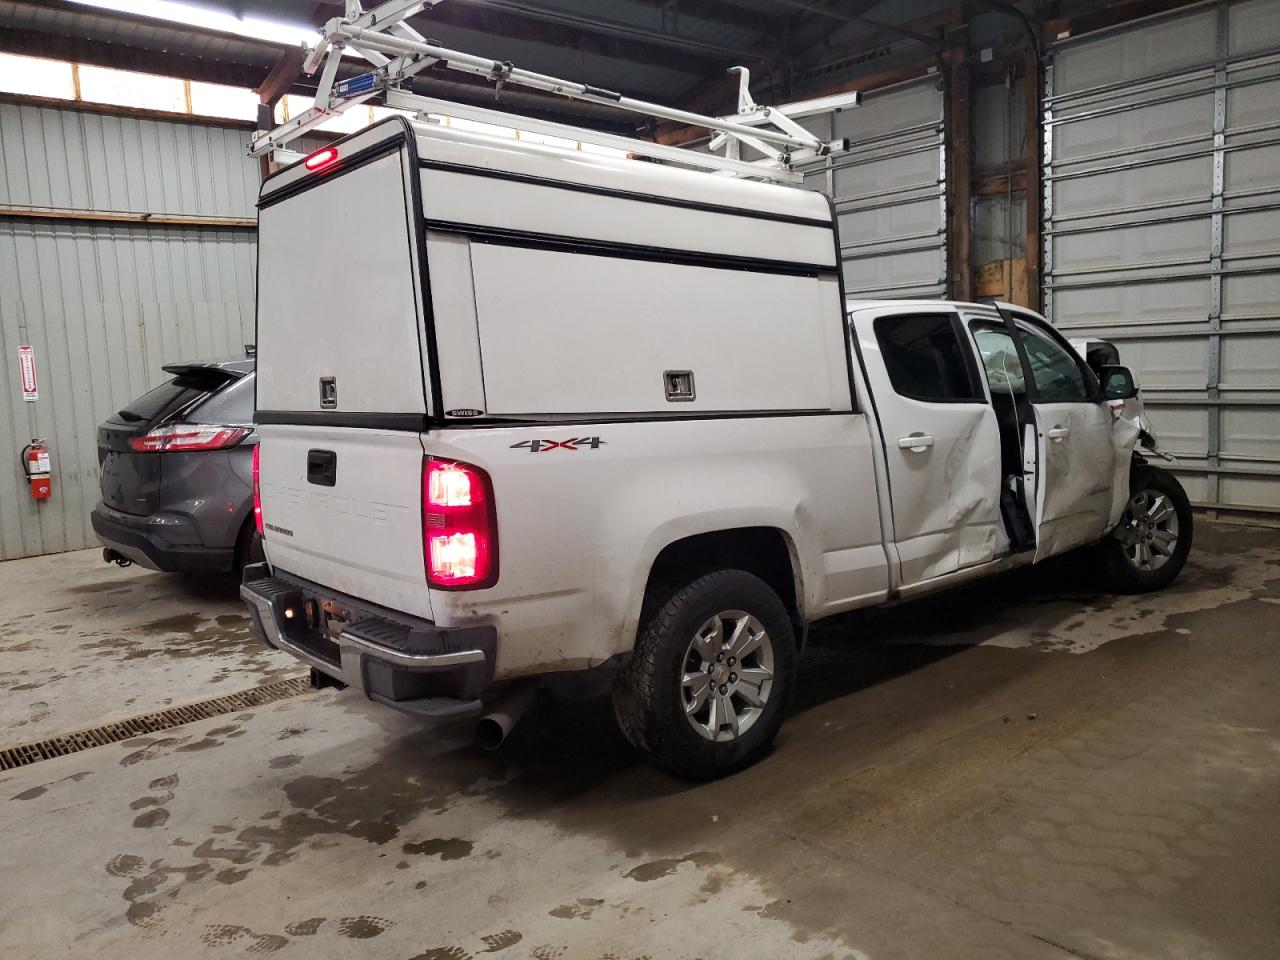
(459, 526)
(257, 491)
(187, 437)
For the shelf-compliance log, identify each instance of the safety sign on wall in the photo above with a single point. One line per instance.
(27, 373)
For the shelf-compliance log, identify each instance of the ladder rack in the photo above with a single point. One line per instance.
(397, 52)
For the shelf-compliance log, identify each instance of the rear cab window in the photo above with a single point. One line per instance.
(927, 358)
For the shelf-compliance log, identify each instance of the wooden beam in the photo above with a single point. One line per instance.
(958, 121)
(137, 219)
(997, 184)
(111, 109)
(282, 76)
(33, 43)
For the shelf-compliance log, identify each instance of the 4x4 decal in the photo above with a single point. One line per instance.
(546, 446)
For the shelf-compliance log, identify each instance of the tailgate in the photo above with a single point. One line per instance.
(342, 507)
(342, 385)
(130, 482)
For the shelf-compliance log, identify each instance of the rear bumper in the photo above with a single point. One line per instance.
(162, 541)
(404, 662)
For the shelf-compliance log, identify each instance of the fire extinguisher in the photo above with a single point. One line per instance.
(35, 461)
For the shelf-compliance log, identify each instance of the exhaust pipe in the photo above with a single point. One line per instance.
(496, 725)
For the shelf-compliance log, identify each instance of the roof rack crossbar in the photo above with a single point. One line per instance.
(397, 51)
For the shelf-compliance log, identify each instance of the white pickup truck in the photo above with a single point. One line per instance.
(533, 416)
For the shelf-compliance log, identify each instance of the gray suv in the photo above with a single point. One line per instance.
(176, 472)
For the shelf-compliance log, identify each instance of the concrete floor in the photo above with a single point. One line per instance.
(1022, 769)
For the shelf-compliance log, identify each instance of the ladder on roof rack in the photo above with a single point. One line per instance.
(397, 51)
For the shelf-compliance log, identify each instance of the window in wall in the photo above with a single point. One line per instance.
(926, 358)
(217, 100)
(125, 88)
(36, 77)
(1055, 369)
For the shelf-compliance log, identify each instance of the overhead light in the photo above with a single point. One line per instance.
(195, 16)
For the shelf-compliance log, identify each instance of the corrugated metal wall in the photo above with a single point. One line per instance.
(106, 305)
(1162, 229)
(890, 190)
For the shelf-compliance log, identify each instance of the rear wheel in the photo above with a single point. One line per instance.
(707, 686)
(248, 548)
(1149, 547)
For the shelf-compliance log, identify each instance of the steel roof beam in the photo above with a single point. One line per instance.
(610, 27)
(835, 13)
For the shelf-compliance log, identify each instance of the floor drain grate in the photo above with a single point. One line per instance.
(60, 746)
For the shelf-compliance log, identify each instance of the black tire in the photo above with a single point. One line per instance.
(647, 694)
(248, 548)
(1123, 574)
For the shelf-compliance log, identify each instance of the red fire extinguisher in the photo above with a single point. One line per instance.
(35, 461)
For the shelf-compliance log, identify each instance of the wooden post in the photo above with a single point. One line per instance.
(279, 79)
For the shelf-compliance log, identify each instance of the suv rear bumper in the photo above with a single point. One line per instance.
(404, 662)
(162, 541)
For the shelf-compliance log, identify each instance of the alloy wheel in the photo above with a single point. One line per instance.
(727, 675)
(1149, 530)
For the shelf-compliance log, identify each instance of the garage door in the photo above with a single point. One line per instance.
(889, 190)
(1162, 229)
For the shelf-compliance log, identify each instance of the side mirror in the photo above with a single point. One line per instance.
(1117, 383)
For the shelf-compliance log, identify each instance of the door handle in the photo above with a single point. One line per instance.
(916, 442)
(1058, 434)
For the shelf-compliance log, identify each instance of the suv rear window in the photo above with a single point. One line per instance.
(160, 402)
(233, 404)
(175, 395)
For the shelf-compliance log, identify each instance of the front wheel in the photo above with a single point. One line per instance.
(1148, 548)
(707, 685)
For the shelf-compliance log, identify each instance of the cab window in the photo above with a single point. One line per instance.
(927, 360)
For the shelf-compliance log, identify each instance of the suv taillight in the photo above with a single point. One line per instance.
(188, 437)
(257, 491)
(459, 526)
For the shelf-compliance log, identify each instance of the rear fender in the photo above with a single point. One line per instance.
(805, 569)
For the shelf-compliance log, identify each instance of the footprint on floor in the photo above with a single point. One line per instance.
(443, 953)
(222, 934)
(304, 928)
(267, 943)
(155, 817)
(124, 865)
(165, 784)
(500, 941)
(363, 928)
